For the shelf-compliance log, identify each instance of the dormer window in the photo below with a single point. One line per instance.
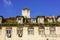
(40, 20)
(50, 20)
(19, 19)
(58, 19)
(33, 20)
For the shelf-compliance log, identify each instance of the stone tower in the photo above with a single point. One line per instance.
(26, 12)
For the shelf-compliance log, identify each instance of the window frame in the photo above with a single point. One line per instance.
(30, 31)
(39, 20)
(52, 30)
(41, 31)
(33, 20)
(9, 32)
(20, 31)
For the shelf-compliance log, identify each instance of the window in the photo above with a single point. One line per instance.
(50, 20)
(52, 30)
(41, 31)
(58, 19)
(41, 20)
(30, 31)
(33, 20)
(8, 32)
(19, 18)
(20, 32)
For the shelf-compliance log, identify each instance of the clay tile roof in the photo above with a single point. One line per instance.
(11, 19)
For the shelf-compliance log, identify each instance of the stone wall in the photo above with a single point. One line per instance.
(25, 36)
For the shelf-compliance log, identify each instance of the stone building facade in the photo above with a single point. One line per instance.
(26, 28)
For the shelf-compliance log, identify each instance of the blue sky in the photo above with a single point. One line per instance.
(12, 8)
